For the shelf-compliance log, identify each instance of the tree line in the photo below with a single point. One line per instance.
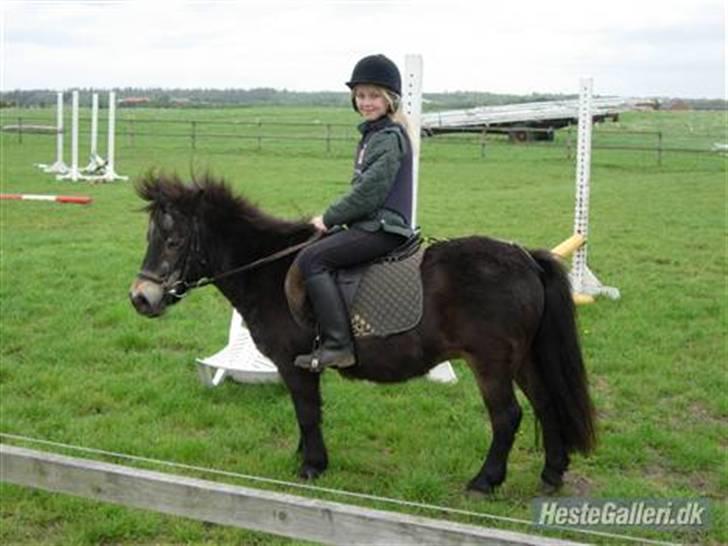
(265, 96)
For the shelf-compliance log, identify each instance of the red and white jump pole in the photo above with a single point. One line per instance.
(75, 199)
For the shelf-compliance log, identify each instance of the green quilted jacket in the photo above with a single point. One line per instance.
(379, 156)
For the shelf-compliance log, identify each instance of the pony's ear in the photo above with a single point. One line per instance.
(184, 197)
(148, 187)
(197, 196)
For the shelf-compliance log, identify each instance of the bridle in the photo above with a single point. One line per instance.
(194, 248)
(181, 287)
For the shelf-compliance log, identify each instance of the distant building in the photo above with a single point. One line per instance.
(677, 104)
(129, 102)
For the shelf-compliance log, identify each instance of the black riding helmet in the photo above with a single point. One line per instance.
(376, 70)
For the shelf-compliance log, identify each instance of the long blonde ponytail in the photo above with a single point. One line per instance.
(396, 112)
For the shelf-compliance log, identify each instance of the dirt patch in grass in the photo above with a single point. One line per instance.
(578, 485)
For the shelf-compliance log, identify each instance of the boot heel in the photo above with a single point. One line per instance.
(336, 347)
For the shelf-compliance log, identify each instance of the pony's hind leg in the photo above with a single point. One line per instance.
(556, 457)
(495, 379)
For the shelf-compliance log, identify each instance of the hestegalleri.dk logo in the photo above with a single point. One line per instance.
(649, 513)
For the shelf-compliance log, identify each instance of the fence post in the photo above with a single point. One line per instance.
(20, 130)
(482, 142)
(568, 142)
(659, 148)
(130, 132)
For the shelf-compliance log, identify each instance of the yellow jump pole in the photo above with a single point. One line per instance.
(567, 247)
(582, 299)
(563, 250)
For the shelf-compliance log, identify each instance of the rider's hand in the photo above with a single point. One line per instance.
(318, 223)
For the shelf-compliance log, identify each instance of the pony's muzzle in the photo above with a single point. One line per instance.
(147, 297)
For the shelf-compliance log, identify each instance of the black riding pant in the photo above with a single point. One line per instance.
(345, 248)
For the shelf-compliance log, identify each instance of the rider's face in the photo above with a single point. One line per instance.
(370, 102)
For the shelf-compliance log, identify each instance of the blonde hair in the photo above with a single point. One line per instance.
(394, 102)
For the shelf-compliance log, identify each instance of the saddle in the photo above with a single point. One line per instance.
(383, 297)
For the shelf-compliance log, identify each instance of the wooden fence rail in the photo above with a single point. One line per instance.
(329, 133)
(278, 513)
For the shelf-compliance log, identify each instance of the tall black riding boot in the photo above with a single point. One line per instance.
(336, 349)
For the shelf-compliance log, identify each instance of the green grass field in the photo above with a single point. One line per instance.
(79, 366)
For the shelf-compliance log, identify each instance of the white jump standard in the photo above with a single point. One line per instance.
(584, 283)
(412, 104)
(240, 359)
(96, 162)
(59, 167)
(109, 173)
(98, 168)
(74, 173)
(104, 169)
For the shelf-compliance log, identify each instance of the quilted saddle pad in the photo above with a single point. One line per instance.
(384, 298)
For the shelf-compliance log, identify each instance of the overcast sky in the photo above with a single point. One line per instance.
(630, 47)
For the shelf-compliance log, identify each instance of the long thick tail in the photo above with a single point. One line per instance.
(559, 361)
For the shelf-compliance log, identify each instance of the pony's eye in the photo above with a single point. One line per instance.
(173, 243)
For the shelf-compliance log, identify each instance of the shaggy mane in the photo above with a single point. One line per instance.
(207, 196)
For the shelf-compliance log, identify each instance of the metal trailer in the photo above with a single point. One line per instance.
(525, 121)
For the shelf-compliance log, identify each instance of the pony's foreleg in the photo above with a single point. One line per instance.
(305, 392)
(496, 387)
(556, 456)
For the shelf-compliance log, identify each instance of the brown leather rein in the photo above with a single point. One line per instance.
(181, 287)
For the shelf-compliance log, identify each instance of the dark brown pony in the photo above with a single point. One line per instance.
(507, 311)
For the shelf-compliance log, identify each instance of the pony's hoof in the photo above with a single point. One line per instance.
(551, 481)
(309, 472)
(480, 489)
(549, 489)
